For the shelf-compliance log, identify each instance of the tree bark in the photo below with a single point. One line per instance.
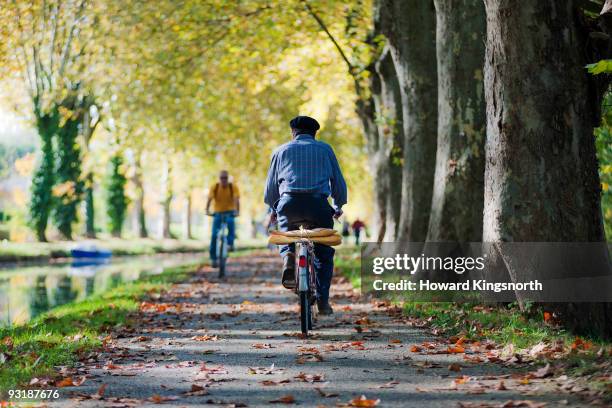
(167, 200)
(390, 140)
(366, 111)
(41, 202)
(90, 227)
(457, 203)
(377, 161)
(541, 179)
(141, 217)
(188, 218)
(88, 127)
(410, 28)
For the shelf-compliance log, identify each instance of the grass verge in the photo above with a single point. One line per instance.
(66, 333)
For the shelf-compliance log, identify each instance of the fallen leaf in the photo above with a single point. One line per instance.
(100, 393)
(543, 372)
(206, 337)
(158, 399)
(70, 382)
(325, 394)
(287, 399)
(273, 382)
(311, 378)
(454, 367)
(580, 344)
(461, 380)
(364, 402)
(196, 390)
(262, 346)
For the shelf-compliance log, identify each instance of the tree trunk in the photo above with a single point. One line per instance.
(389, 147)
(88, 127)
(367, 114)
(41, 201)
(90, 227)
(167, 200)
(141, 217)
(410, 28)
(188, 218)
(69, 185)
(457, 203)
(541, 180)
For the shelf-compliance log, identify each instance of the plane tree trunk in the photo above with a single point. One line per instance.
(457, 203)
(409, 26)
(390, 136)
(541, 179)
(168, 195)
(141, 218)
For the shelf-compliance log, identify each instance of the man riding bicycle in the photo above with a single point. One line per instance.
(303, 174)
(227, 205)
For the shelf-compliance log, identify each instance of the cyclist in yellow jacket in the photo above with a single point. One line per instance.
(226, 198)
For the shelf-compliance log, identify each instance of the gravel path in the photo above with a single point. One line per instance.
(213, 343)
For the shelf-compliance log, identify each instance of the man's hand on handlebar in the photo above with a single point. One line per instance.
(271, 222)
(338, 213)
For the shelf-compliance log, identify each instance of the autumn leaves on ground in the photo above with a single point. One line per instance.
(236, 343)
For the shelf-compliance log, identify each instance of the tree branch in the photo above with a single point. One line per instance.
(318, 19)
(66, 52)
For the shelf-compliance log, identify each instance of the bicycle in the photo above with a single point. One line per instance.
(222, 246)
(306, 276)
(306, 287)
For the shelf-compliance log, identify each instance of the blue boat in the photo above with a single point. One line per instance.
(90, 252)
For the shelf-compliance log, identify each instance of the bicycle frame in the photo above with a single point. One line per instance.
(306, 287)
(221, 249)
(222, 239)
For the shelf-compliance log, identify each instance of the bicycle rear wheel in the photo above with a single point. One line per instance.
(222, 258)
(305, 321)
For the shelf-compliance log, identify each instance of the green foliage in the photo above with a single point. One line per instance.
(601, 67)
(116, 200)
(217, 84)
(68, 192)
(603, 143)
(41, 201)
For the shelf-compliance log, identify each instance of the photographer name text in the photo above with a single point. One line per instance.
(470, 285)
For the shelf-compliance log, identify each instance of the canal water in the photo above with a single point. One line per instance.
(26, 292)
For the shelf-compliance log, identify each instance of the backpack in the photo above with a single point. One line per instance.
(217, 189)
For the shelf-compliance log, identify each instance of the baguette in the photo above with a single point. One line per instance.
(331, 240)
(307, 233)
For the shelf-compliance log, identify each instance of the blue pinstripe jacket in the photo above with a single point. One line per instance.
(305, 165)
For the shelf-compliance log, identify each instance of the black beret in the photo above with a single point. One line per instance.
(304, 123)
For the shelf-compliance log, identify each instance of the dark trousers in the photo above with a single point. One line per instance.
(231, 231)
(311, 212)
